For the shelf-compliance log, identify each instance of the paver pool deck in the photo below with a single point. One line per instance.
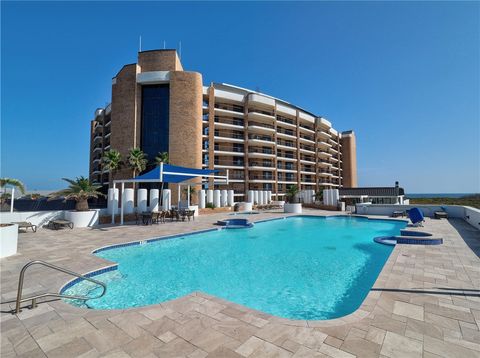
(425, 303)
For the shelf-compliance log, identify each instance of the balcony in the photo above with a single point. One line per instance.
(288, 145)
(228, 150)
(228, 109)
(324, 154)
(261, 127)
(261, 165)
(229, 137)
(307, 160)
(286, 133)
(307, 139)
(261, 100)
(325, 135)
(260, 139)
(228, 164)
(255, 152)
(260, 178)
(286, 122)
(306, 129)
(307, 149)
(286, 157)
(260, 116)
(229, 123)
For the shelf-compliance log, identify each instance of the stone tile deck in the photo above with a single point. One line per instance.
(425, 303)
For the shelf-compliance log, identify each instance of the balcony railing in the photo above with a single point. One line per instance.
(225, 148)
(286, 155)
(229, 135)
(307, 147)
(229, 163)
(285, 143)
(261, 177)
(229, 107)
(261, 164)
(260, 150)
(258, 124)
(233, 121)
(260, 137)
(285, 120)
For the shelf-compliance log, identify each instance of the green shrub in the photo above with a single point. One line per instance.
(210, 206)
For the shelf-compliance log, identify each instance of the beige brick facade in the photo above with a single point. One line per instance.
(349, 147)
(265, 143)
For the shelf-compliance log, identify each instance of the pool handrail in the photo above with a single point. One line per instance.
(49, 294)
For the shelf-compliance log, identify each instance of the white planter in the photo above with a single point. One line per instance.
(295, 208)
(8, 240)
(82, 218)
(194, 207)
(245, 206)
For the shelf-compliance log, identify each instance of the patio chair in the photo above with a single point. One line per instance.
(25, 225)
(416, 217)
(58, 223)
(190, 214)
(174, 214)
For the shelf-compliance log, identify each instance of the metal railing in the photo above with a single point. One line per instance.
(48, 294)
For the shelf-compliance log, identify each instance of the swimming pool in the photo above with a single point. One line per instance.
(301, 267)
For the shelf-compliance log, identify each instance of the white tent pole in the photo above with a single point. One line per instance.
(12, 199)
(188, 195)
(121, 204)
(179, 188)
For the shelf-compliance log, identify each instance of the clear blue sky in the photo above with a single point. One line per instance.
(405, 76)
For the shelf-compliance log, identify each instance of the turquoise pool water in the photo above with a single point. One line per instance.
(302, 267)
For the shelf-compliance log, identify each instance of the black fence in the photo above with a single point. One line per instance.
(44, 204)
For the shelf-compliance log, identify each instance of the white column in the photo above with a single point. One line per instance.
(154, 199)
(112, 203)
(255, 197)
(260, 198)
(167, 199)
(201, 199)
(265, 197)
(122, 205)
(251, 195)
(231, 198)
(216, 198)
(12, 199)
(142, 200)
(128, 195)
(188, 195)
(114, 207)
(209, 196)
(269, 196)
(223, 198)
(335, 196)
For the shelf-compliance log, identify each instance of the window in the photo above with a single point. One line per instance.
(155, 119)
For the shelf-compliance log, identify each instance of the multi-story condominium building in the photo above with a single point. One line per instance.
(264, 142)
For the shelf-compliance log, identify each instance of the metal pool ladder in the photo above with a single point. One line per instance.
(34, 298)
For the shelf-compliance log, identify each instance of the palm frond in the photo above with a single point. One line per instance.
(13, 182)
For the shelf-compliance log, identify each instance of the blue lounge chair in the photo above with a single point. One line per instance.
(416, 216)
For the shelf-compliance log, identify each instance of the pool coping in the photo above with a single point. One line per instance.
(365, 308)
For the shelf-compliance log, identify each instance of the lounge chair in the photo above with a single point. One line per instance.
(57, 224)
(440, 214)
(25, 225)
(416, 217)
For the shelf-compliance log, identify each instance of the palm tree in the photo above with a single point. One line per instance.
(80, 190)
(193, 192)
(137, 160)
(4, 196)
(162, 157)
(112, 160)
(12, 182)
(291, 194)
(318, 195)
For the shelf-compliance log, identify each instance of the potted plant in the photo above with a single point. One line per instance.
(80, 190)
(292, 205)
